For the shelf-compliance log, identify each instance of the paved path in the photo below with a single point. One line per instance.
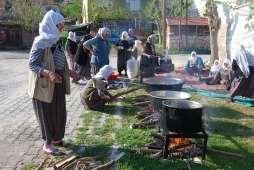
(20, 141)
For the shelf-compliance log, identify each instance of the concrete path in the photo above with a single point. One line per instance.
(20, 141)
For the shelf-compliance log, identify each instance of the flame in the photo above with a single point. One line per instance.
(177, 141)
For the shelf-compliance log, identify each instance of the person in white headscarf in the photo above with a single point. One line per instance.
(71, 49)
(95, 94)
(194, 65)
(243, 69)
(99, 47)
(48, 81)
(123, 52)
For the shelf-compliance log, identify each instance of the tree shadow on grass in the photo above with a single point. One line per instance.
(231, 162)
(225, 112)
(229, 129)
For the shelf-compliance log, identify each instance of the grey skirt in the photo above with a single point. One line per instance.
(52, 116)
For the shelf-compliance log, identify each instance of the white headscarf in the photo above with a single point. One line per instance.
(104, 72)
(216, 67)
(104, 30)
(226, 61)
(151, 39)
(72, 36)
(244, 59)
(125, 35)
(48, 32)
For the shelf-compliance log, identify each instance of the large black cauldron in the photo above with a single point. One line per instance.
(181, 116)
(163, 83)
(158, 96)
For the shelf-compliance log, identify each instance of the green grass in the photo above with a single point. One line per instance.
(230, 128)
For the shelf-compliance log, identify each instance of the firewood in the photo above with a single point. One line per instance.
(125, 92)
(42, 163)
(149, 151)
(105, 166)
(158, 136)
(142, 103)
(225, 153)
(156, 155)
(65, 161)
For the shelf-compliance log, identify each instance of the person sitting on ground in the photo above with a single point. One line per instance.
(194, 65)
(213, 77)
(95, 93)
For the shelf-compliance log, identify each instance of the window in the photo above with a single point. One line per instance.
(133, 5)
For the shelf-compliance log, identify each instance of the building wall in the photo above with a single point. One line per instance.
(193, 37)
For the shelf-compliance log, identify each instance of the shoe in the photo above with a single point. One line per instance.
(49, 149)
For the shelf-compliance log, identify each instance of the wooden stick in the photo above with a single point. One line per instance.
(65, 161)
(149, 151)
(125, 92)
(142, 103)
(226, 153)
(42, 163)
(105, 166)
(156, 155)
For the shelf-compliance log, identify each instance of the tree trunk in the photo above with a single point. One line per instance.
(159, 31)
(214, 24)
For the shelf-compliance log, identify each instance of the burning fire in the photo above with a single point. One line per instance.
(178, 141)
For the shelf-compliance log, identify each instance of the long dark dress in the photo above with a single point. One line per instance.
(148, 63)
(123, 55)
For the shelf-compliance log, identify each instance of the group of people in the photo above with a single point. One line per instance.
(50, 71)
(236, 74)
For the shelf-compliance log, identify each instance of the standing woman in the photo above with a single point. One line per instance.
(71, 49)
(123, 53)
(243, 73)
(49, 81)
(99, 47)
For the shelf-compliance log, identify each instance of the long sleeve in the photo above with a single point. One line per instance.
(90, 43)
(35, 60)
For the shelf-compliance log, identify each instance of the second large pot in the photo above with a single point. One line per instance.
(181, 116)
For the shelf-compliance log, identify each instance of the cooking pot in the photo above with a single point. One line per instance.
(157, 97)
(181, 116)
(163, 83)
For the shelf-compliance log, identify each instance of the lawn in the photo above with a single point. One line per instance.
(230, 128)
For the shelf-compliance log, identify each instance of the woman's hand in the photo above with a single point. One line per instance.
(74, 75)
(54, 77)
(51, 76)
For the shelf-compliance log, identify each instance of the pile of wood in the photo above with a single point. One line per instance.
(146, 117)
(75, 163)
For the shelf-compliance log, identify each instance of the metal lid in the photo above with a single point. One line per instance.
(163, 81)
(182, 104)
(170, 95)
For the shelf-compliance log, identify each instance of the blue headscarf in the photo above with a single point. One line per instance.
(48, 31)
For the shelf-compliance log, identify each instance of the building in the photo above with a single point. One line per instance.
(187, 33)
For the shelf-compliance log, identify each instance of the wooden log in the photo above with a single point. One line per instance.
(157, 155)
(149, 151)
(158, 136)
(125, 92)
(142, 103)
(105, 166)
(65, 161)
(225, 153)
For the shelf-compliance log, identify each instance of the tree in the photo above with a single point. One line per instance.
(152, 12)
(214, 24)
(27, 14)
(72, 10)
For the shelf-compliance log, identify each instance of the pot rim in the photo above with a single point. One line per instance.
(173, 104)
(151, 94)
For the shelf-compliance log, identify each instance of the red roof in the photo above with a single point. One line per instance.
(190, 21)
